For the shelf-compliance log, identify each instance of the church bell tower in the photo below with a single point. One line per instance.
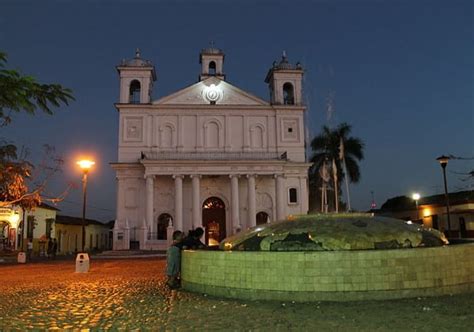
(284, 81)
(212, 61)
(136, 80)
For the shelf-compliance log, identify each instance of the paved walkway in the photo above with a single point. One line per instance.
(130, 294)
(12, 258)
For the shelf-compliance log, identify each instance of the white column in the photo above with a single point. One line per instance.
(149, 201)
(234, 183)
(178, 202)
(280, 195)
(252, 217)
(197, 217)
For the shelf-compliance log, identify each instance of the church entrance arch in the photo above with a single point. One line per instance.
(262, 218)
(213, 219)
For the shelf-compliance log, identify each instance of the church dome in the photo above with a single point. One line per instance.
(211, 50)
(323, 232)
(137, 61)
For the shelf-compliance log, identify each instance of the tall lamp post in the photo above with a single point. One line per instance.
(416, 197)
(85, 165)
(443, 161)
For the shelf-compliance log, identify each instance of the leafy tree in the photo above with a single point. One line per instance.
(326, 148)
(18, 93)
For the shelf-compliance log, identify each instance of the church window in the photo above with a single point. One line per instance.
(288, 94)
(212, 68)
(135, 90)
(293, 196)
(256, 137)
(212, 134)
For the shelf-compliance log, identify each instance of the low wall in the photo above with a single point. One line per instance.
(330, 275)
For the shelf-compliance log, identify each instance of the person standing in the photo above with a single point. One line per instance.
(173, 261)
(54, 248)
(29, 249)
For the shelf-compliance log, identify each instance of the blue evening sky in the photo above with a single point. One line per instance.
(400, 72)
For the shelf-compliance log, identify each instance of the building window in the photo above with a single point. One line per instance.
(292, 195)
(135, 90)
(162, 226)
(212, 68)
(288, 94)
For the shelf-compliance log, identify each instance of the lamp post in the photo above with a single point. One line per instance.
(443, 161)
(416, 197)
(85, 165)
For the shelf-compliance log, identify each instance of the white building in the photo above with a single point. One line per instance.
(210, 155)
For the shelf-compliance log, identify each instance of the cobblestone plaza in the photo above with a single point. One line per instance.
(131, 294)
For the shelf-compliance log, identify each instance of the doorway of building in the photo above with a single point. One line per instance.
(213, 219)
(7, 236)
(262, 218)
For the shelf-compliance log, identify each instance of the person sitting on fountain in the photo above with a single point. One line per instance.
(173, 261)
(193, 240)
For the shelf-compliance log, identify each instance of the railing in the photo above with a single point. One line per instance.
(154, 155)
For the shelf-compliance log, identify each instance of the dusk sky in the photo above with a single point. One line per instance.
(400, 72)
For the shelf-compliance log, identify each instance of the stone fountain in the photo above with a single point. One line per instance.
(332, 257)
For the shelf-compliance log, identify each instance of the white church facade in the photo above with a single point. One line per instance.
(210, 155)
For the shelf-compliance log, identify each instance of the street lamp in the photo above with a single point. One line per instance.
(416, 197)
(443, 161)
(85, 165)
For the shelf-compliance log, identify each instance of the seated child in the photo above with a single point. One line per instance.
(173, 261)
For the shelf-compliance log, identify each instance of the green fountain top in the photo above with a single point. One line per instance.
(341, 231)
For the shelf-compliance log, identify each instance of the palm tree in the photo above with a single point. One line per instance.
(326, 148)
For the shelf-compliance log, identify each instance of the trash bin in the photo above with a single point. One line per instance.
(21, 257)
(82, 262)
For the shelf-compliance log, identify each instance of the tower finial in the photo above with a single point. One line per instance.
(211, 43)
(137, 53)
(284, 55)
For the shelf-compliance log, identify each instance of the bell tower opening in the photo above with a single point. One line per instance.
(288, 94)
(212, 68)
(135, 92)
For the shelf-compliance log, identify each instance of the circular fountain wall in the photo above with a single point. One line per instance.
(333, 258)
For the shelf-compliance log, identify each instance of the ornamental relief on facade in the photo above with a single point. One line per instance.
(264, 200)
(133, 129)
(290, 130)
(165, 200)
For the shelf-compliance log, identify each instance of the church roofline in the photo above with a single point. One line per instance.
(163, 99)
(269, 107)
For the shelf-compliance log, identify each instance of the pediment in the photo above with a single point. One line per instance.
(202, 93)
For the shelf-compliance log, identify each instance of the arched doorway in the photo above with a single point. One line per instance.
(5, 235)
(162, 226)
(262, 218)
(213, 219)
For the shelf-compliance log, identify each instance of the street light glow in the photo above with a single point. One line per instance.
(416, 196)
(85, 164)
(443, 160)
